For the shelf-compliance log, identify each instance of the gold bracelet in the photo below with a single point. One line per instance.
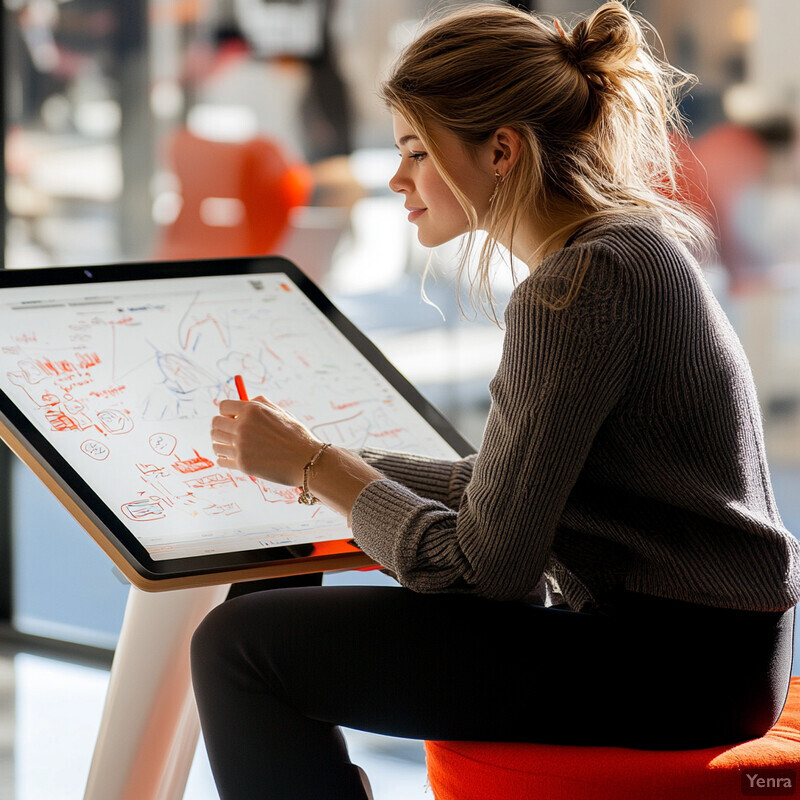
(305, 497)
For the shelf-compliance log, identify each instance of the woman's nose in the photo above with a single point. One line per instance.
(398, 183)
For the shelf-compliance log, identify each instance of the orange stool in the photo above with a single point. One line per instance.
(490, 771)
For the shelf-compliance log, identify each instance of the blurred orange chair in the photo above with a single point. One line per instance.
(718, 168)
(692, 179)
(237, 197)
(735, 159)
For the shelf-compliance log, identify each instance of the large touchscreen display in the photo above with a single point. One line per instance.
(123, 378)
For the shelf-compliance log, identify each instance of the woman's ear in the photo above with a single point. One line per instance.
(505, 145)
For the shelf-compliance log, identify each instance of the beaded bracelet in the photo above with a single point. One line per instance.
(305, 497)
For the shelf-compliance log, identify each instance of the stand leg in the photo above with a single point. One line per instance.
(149, 728)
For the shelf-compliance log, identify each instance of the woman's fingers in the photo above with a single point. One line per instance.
(232, 408)
(222, 428)
(260, 438)
(225, 450)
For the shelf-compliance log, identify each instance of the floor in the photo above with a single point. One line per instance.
(50, 712)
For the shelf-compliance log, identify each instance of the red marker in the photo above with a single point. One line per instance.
(237, 379)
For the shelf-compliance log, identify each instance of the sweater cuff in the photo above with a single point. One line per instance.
(383, 511)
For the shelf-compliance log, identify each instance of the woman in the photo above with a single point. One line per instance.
(616, 531)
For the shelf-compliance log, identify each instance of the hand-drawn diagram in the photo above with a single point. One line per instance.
(96, 450)
(145, 510)
(192, 464)
(125, 384)
(163, 443)
(115, 421)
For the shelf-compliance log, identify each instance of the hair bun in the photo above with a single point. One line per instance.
(606, 43)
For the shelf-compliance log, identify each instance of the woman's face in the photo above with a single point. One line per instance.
(431, 204)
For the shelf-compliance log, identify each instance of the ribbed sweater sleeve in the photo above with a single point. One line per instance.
(560, 374)
(434, 479)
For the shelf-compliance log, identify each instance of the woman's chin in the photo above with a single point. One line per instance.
(429, 239)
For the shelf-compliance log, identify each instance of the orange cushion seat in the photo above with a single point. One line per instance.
(498, 771)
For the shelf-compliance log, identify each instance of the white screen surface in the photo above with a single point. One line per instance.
(123, 379)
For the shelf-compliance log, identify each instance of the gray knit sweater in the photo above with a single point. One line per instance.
(623, 449)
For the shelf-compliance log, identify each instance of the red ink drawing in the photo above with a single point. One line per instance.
(96, 450)
(349, 432)
(111, 391)
(69, 385)
(163, 492)
(384, 434)
(163, 443)
(145, 510)
(86, 360)
(114, 421)
(193, 464)
(213, 481)
(226, 509)
(271, 352)
(67, 415)
(49, 367)
(152, 470)
(192, 331)
(44, 400)
(59, 421)
(30, 372)
(274, 494)
(54, 367)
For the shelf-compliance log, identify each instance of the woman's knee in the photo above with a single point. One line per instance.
(221, 645)
(238, 640)
(211, 641)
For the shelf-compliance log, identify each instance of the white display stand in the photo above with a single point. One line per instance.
(149, 729)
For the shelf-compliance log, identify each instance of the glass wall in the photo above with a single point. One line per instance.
(106, 99)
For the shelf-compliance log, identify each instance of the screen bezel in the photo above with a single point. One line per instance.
(102, 523)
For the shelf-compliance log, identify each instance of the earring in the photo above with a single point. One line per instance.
(498, 179)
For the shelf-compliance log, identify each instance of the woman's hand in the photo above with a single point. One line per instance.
(259, 438)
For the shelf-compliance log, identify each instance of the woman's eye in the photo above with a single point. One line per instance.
(414, 156)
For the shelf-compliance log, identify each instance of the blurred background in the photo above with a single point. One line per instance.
(142, 129)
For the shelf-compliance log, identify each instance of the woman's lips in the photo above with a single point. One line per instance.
(414, 213)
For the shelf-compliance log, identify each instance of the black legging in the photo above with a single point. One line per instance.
(275, 673)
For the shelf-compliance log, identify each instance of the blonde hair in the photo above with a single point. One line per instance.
(596, 110)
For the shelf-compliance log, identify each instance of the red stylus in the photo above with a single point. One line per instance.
(237, 379)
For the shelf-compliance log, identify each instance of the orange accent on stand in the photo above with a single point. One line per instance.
(340, 546)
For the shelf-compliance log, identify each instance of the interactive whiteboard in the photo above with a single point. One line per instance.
(109, 379)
